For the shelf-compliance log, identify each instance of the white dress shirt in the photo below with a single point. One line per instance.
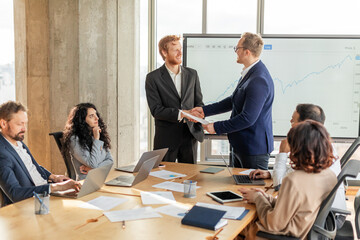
(25, 157)
(177, 82)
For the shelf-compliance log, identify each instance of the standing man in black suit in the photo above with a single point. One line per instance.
(169, 89)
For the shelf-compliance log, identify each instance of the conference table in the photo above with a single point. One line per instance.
(67, 220)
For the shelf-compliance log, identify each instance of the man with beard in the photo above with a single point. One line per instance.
(20, 174)
(169, 89)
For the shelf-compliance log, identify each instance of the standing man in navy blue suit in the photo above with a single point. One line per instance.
(249, 128)
(20, 174)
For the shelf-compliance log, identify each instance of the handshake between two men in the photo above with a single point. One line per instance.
(199, 113)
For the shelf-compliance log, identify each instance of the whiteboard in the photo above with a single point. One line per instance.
(319, 70)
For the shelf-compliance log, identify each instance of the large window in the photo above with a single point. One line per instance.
(231, 16)
(311, 17)
(7, 51)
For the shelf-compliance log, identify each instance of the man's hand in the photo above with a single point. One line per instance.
(209, 128)
(62, 186)
(85, 169)
(198, 112)
(58, 178)
(284, 146)
(259, 174)
(187, 117)
(96, 132)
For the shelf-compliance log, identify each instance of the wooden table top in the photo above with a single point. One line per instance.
(18, 221)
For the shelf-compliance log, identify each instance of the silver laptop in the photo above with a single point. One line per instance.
(128, 181)
(145, 156)
(243, 179)
(93, 182)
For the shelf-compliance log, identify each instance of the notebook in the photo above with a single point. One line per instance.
(93, 182)
(145, 156)
(205, 218)
(128, 181)
(212, 170)
(243, 179)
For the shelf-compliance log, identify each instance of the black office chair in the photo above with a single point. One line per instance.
(346, 231)
(324, 226)
(67, 159)
(349, 152)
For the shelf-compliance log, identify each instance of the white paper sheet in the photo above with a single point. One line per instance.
(174, 210)
(157, 198)
(172, 186)
(231, 212)
(200, 120)
(132, 214)
(103, 203)
(247, 172)
(167, 175)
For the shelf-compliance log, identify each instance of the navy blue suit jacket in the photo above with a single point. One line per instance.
(249, 128)
(15, 181)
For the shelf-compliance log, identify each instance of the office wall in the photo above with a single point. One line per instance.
(73, 50)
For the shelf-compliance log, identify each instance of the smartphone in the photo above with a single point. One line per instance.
(225, 196)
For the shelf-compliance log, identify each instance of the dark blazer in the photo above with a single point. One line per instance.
(164, 103)
(249, 128)
(15, 180)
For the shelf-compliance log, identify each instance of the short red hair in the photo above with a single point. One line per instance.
(163, 43)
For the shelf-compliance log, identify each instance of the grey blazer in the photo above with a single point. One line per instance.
(164, 103)
(96, 158)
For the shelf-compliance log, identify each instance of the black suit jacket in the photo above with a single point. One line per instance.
(164, 103)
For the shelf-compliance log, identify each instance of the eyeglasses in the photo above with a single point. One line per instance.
(237, 48)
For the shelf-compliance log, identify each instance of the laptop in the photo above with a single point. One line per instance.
(243, 179)
(129, 181)
(145, 156)
(93, 182)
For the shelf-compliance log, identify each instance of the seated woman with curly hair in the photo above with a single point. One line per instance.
(86, 139)
(295, 209)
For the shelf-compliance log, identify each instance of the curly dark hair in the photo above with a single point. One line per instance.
(77, 126)
(310, 147)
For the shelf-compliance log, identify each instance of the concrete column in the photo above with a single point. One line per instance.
(64, 69)
(69, 52)
(32, 72)
(128, 79)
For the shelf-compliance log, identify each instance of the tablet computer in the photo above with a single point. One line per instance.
(211, 170)
(225, 196)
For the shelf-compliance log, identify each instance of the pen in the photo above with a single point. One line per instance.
(41, 202)
(123, 224)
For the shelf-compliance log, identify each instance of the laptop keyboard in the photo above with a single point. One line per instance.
(242, 178)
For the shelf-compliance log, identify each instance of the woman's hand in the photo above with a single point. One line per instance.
(96, 132)
(84, 169)
(250, 194)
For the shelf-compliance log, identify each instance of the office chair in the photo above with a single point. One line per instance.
(346, 231)
(2, 200)
(349, 152)
(67, 159)
(324, 226)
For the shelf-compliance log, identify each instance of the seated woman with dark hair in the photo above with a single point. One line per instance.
(86, 139)
(295, 209)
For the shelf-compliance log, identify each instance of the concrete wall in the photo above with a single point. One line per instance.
(78, 51)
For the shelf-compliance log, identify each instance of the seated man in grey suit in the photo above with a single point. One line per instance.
(20, 174)
(169, 89)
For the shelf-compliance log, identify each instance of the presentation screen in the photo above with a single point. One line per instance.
(321, 70)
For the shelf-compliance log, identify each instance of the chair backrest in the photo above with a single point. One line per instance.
(350, 152)
(324, 225)
(67, 159)
(357, 213)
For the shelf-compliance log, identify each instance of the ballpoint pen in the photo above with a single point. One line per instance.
(41, 203)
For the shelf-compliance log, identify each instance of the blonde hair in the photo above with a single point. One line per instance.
(253, 42)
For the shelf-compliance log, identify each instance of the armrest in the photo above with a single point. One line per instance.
(340, 211)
